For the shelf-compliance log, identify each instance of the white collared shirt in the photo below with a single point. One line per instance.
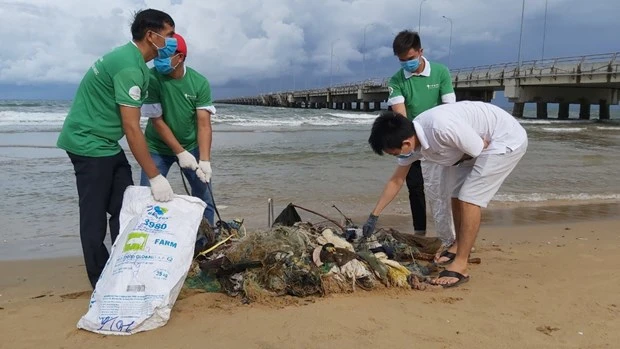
(449, 131)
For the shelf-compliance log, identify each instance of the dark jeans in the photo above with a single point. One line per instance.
(417, 202)
(101, 183)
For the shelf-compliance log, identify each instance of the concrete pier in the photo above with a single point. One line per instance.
(563, 111)
(603, 111)
(584, 80)
(541, 110)
(517, 110)
(584, 111)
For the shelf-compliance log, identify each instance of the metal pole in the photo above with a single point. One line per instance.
(520, 38)
(450, 44)
(364, 53)
(420, 17)
(331, 62)
(544, 32)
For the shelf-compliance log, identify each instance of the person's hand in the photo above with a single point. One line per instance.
(187, 160)
(161, 189)
(204, 171)
(369, 226)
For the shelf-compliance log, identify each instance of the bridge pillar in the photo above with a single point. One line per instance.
(339, 105)
(358, 105)
(377, 105)
(348, 106)
(563, 111)
(366, 106)
(517, 110)
(541, 110)
(603, 110)
(584, 111)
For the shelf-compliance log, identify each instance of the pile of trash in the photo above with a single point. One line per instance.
(302, 259)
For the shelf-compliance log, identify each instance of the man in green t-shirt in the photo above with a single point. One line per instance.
(418, 86)
(106, 107)
(179, 108)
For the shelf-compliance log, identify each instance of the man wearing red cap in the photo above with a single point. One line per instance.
(179, 108)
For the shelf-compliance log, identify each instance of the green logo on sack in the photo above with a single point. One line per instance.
(135, 242)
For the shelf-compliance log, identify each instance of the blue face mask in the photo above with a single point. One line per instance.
(405, 156)
(170, 47)
(411, 65)
(164, 65)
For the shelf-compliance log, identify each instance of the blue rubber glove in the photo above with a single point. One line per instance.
(369, 227)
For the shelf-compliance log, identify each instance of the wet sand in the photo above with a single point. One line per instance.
(541, 284)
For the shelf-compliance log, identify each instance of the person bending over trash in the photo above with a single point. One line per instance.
(179, 109)
(481, 142)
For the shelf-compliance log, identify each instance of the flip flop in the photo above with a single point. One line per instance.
(453, 274)
(448, 255)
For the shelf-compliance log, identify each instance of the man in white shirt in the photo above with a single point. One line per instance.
(481, 142)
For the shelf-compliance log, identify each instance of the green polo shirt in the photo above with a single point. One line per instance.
(179, 99)
(420, 92)
(93, 126)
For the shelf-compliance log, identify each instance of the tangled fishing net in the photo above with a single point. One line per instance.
(301, 259)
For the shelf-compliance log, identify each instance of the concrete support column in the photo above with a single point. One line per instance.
(563, 111)
(358, 105)
(339, 105)
(541, 110)
(366, 106)
(584, 111)
(377, 105)
(348, 106)
(603, 110)
(517, 110)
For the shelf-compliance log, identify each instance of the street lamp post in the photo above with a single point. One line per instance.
(331, 62)
(544, 32)
(450, 44)
(364, 53)
(520, 38)
(420, 17)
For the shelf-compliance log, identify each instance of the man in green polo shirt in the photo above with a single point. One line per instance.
(418, 86)
(179, 108)
(106, 107)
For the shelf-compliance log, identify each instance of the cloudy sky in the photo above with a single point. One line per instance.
(251, 46)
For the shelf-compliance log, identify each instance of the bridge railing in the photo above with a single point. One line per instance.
(590, 64)
(596, 64)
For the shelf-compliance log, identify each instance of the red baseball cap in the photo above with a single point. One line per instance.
(181, 45)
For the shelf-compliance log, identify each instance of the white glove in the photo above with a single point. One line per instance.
(187, 160)
(161, 189)
(204, 171)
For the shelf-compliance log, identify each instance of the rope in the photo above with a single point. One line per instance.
(220, 222)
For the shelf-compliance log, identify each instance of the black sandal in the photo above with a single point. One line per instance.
(448, 255)
(453, 274)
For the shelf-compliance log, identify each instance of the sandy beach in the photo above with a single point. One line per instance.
(542, 285)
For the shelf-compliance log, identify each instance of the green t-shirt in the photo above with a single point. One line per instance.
(93, 125)
(420, 92)
(179, 99)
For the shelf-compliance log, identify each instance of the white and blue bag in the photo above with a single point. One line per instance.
(147, 266)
